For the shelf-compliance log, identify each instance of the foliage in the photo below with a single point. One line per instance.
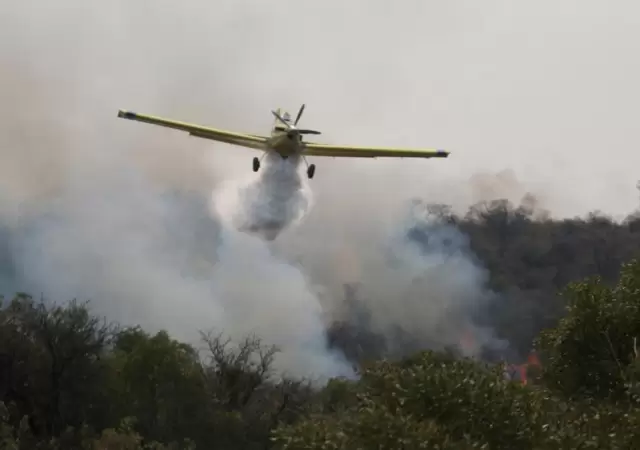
(593, 351)
(69, 380)
(586, 396)
(530, 259)
(432, 398)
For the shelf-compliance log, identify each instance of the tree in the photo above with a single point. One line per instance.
(592, 351)
(249, 402)
(160, 382)
(430, 399)
(52, 367)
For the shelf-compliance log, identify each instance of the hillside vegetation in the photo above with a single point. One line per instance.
(568, 289)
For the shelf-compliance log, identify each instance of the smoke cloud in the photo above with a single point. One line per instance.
(267, 205)
(158, 259)
(168, 231)
(431, 286)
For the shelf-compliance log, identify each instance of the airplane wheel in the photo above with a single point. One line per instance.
(311, 170)
(256, 164)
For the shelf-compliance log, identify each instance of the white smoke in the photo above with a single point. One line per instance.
(83, 198)
(143, 256)
(266, 205)
(416, 280)
(435, 285)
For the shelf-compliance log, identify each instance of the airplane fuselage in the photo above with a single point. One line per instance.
(286, 139)
(285, 146)
(281, 141)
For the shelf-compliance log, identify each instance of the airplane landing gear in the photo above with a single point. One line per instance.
(256, 164)
(311, 170)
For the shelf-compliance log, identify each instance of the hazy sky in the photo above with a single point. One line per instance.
(537, 97)
(547, 89)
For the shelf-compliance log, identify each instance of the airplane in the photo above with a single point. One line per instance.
(285, 140)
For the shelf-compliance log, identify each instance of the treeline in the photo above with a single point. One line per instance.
(70, 381)
(529, 256)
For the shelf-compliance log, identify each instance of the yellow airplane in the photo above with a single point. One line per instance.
(285, 140)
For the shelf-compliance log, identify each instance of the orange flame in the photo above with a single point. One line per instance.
(532, 361)
(467, 342)
(523, 373)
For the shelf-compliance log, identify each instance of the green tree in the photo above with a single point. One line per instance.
(430, 399)
(249, 401)
(53, 371)
(160, 382)
(593, 351)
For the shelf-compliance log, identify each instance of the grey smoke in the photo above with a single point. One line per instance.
(422, 287)
(275, 200)
(84, 209)
(155, 258)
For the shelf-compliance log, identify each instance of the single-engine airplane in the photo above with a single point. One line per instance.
(285, 140)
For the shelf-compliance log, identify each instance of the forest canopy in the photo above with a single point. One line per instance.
(569, 293)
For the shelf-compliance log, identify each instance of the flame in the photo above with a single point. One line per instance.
(522, 369)
(533, 360)
(523, 373)
(467, 345)
(467, 342)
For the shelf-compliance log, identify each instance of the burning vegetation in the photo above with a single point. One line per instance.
(568, 373)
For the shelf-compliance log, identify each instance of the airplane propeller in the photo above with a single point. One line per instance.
(299, 114)
(292, 129)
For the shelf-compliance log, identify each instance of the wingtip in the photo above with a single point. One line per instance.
(126, 114)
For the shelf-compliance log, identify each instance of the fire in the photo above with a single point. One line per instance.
(522, 369)
(467, 344)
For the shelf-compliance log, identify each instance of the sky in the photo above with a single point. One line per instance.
(536, 97)
(545, 90)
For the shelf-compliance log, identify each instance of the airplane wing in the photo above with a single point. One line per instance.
(229, 137)
(371, 152)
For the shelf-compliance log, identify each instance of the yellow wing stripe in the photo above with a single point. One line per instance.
(260, 142)
(197, 130)
(372, 152)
